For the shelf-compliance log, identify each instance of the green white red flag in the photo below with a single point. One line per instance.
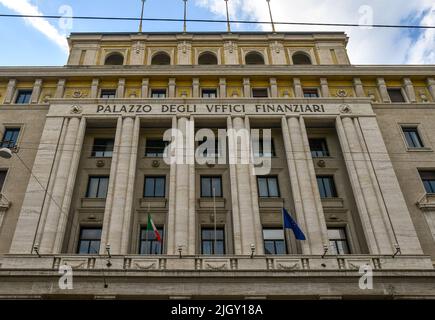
(151, 227)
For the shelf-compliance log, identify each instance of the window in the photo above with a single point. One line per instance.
(412, 137)
(318, 148)
(23, 96)
(208, 184)
(154, 187)
(268, 187)
(428, 178)
(103, 148)
(10, 138)
(254, 58)
(300, 58)
(209, 93)
(114, 59)
(274, 241)
(149, 243)
(396, 95)
(260, 93)
(3, 174)
(158, 93)
(161, 58)
(207, 58)
(311, 93)
(209, 152)
(89, 242)
(326, 187)
(212, 243)
(108, 94)
(97, 187)
(259, 148)
(338, 241)
(155, 147)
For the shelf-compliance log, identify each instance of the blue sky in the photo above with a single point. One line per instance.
(42, 45)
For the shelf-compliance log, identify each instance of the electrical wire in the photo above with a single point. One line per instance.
(397, 26)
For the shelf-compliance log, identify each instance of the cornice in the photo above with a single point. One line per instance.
(220, 70)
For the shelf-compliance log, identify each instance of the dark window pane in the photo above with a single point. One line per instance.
(396, 95)
(10, 138)
(154, 186)
(23, 96)
(155, 147)
(158, 93)
(412, 136)
(318, 148)
(428, 178)
(210, 183)
(262, 187)
(2, 178)
(338, 241)
(103, 148)
(108, 94)
(208, 243)
(260, 93)
(148, 242)
(209, 93)
(311, 93)
(273, 187)
(97, 187)
(268, 187)
(280, 247)
(274, 241)
(326, 187)
(89, 242)
(269, 246)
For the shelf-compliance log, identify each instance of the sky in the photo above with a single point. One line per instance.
(42, 42)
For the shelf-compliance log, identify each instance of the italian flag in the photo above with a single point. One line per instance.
(151, 226)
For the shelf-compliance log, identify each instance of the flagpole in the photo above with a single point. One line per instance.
(146, 232)
(271, 17)
(214, 218)
(141, 16)
(283, 226)
(185, 16)
(228, 18)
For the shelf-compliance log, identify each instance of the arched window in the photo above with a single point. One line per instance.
(254, 58)
(161, 59)
(114, 59)
(301, 58)
(207, 58)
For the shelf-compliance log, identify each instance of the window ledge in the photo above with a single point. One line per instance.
(271, 202)
(153, 202)
(332, 202)
(424, 149)
(207, 203)
(93, 202)
(427, 202)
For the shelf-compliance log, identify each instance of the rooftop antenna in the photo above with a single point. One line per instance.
(141, 16)
(228, 17)
(185, 16)
(271, 17)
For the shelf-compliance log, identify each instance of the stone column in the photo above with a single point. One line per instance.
(273, 88)
(31, 209)
(324, 88)
(359, 89)
(172, 88)
(182, 212)
(60, 89)
(120, 92)
(195, 88)
(297, 87)
(94, 88)
(382, 87)
(246, 87)
(431, 87)
(145, 88)
(222, 88)
(56, 209)
(409, 89)
(247, 227)
(119, 202)
(377, 193)
(10, 90)
(308, 205)
(36, 92)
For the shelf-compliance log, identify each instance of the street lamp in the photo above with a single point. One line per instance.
(5, 153)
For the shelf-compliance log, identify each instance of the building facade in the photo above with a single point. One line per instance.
(351, 158)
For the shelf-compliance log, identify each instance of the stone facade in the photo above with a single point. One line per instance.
(380, 202)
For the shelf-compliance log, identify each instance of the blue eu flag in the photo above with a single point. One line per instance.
(289, 223)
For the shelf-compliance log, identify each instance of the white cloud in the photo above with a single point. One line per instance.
(42, 25)
(374, 46)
